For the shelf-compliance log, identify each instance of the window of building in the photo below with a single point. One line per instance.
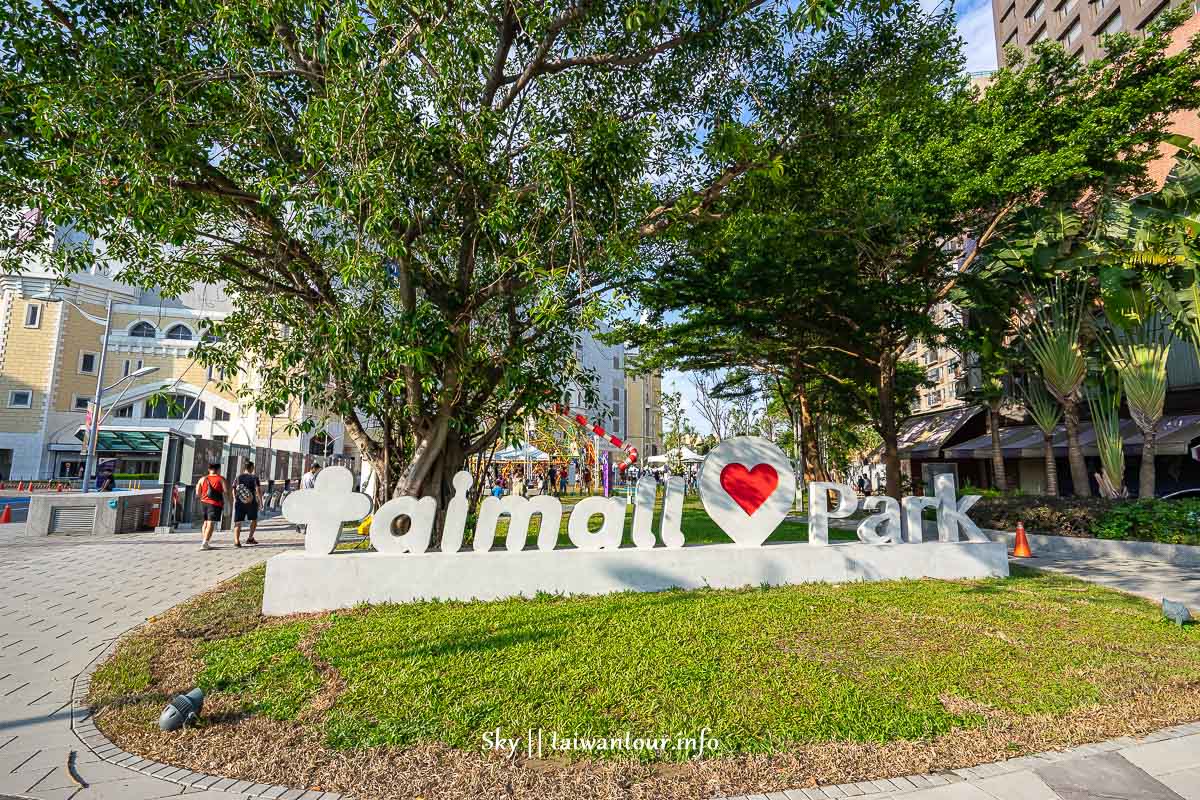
(1036, 13)
(616, 393)
(935, 398)
(931, 355)
(1065, 10)
(1041, 36)
(1008, 14)
(1113, 25)
(616, 362)
(1150, 20)
(173, 406)
(1012, 37)
(220, 416)
(1072, 35)
(131, 365)
(124, 412)
(80, 402)
(934, 374)
(1098, 6)
(180, 333)
(20, 398)
(33, 315)
(87, 363)
(142, 330)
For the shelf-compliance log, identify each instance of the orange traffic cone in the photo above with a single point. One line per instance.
(20, 486)
(1021, 547)
(6, 514)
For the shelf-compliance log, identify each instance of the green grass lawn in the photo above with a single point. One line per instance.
(764, 670)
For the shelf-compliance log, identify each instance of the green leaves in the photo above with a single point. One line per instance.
(1053, 337)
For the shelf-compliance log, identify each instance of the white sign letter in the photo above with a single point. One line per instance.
(643, 512)
(818, 508)
(888, 518)
(420, 513)
(609, 535)
(952, 515)
(672, 516)
(519, 511)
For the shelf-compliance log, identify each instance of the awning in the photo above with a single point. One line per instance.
(127, 441)
(923, 436)
(1174, 435)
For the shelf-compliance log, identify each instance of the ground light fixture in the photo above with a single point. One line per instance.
(1176, 612)
(184, 709)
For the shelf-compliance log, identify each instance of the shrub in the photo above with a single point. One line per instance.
(1058, 516)
(1165, 521)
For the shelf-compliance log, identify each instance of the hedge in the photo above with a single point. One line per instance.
(1163, 521)
(1057, 516)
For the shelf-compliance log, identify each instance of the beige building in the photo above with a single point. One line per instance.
(50, 354)
(643, 413)
(943, 368)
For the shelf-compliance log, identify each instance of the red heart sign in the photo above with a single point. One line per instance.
(749, 488)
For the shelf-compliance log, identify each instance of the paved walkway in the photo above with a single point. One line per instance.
(1153, 580)
(63, 600)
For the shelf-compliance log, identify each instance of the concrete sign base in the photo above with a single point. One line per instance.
(300, 583)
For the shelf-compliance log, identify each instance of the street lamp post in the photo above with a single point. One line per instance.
(94, 423)
(90, 462)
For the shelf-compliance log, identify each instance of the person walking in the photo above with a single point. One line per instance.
(518, 485)
(247, 497)
(586, 477)
(562, 483)
(309, 481)
(212, 490)
(552, 480)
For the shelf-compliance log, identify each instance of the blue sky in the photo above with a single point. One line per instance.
(975, 26)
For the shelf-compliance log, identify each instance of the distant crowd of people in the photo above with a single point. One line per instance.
(556, 479)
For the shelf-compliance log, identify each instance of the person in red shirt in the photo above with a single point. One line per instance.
(212, 491)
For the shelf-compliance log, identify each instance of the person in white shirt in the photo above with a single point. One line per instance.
(309, 481)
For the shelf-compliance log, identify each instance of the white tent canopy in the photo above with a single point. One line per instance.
(684, 454)
(525, 452)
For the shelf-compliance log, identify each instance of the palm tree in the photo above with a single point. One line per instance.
(1105, 402)
(1046, 414)
(1140, 358)
(992, 392)
(1053, 336)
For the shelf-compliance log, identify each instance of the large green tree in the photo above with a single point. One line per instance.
(413, 205)
(886, 205)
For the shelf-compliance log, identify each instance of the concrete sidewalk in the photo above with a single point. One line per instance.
(1163, 766)
(63, 600)
(1152, 580)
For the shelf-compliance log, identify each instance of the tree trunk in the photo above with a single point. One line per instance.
(998, 470)
(887, 424)
(1051, 464)
(1146, 471)
(808, 440)
(1079, 475)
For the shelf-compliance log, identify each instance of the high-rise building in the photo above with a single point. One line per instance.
(644, 413)
(1077, 25)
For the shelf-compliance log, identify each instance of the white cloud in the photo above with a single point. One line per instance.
(976, 27)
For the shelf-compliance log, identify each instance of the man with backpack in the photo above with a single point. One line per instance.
(212, 490)
(247, 499)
